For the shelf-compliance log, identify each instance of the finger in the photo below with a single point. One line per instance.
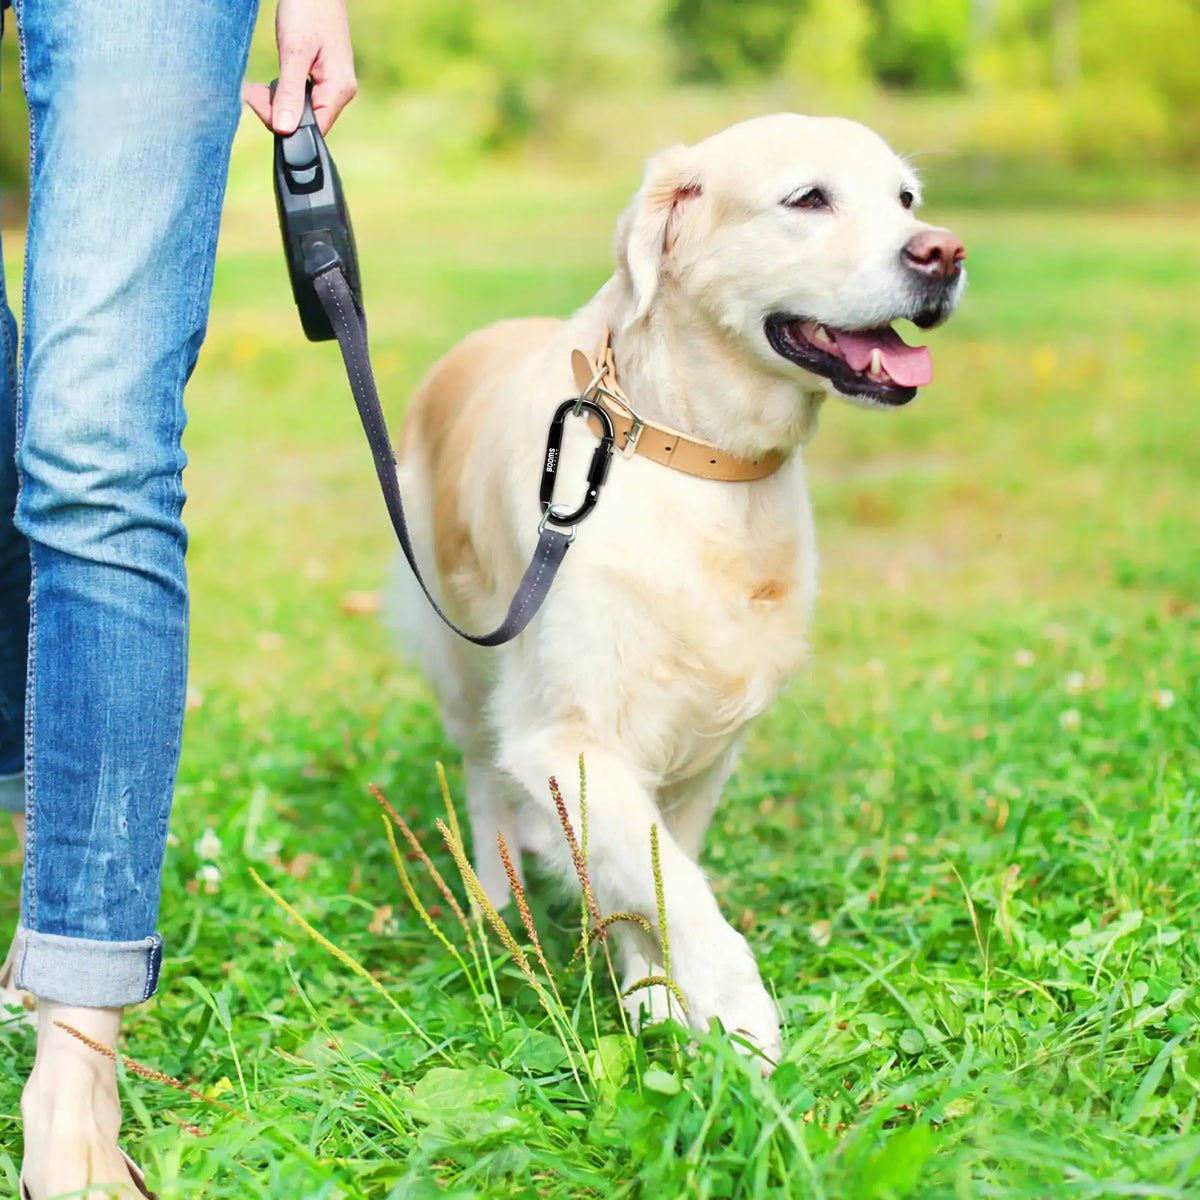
(330, 96)
(289, 92)
(334, 85)
(257, 97)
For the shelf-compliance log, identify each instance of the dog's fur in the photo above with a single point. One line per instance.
(684, 606)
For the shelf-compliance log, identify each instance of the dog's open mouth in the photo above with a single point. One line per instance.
(872, 364)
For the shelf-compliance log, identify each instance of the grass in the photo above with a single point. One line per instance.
(963, 846)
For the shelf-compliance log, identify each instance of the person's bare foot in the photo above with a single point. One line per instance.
(71, 1110)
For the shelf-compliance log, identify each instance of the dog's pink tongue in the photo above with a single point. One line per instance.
(908, 366)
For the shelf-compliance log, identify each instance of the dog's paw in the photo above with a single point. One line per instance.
(751, 1016)
(730, 988)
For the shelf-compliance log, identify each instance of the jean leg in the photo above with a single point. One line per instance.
(14, 578)
(133, 107)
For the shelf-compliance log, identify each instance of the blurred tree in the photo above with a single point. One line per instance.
(1030, 44)
(1126, 91)
(512, 66)
(1138, 92)
(1065, 42)
(540, 54)
(920, 43)
(1055, 80)
(828, 49)
(731, 39)
(415, 43)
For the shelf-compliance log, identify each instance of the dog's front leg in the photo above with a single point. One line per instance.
(492, 811)
(709, 960)
(687, 807)
(688, 804)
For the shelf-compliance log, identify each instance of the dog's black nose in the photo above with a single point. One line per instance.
(935, 253)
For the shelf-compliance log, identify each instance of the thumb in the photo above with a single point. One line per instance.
(288, 105)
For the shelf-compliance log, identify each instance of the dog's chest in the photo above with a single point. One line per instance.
(739, 628)
(681, 612)
(714, 622)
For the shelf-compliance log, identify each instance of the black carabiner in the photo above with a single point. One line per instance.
(597, 471)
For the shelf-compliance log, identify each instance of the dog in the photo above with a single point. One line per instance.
(757, 272)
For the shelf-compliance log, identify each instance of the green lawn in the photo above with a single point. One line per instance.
(964, 846)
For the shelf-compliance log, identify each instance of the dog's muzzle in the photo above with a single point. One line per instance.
(933, 262)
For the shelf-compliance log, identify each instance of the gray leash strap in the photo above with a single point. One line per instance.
(350, 327)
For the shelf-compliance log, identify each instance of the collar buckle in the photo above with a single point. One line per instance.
(632, 436)
(636, 424)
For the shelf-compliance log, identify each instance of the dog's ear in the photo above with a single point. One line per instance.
(651, 225)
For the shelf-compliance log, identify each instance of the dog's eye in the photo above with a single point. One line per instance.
(907, 198)
(810, 198)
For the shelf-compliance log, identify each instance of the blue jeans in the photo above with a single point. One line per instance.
(133, 106)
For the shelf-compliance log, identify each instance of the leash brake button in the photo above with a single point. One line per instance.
(302, 162)
(300, 150)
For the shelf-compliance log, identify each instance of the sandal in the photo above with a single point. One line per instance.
(15, 1005)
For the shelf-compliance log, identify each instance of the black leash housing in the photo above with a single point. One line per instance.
(314, 220)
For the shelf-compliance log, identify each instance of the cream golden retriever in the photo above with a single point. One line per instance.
(756, 272)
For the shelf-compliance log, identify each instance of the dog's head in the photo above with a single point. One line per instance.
(796, 236)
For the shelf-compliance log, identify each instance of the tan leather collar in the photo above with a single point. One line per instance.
(596, 378)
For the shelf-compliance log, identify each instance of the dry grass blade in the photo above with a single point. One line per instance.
(522, 902)
(632, 917)
(452, 821)
(598, 932)
(187, 1126)
(660, 898)
(551, 1004)
(494, 919)
(576, 854)
(451, 811)
(149, 1073)
(345, 959)
(983, 950)
(659, 981)
(411, 892)
(583, 810)
(439, 882)
(589, 905)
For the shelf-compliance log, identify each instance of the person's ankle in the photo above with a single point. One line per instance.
(73, 1090)
(70, 1106)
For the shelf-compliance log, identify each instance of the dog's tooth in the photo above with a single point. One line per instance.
(821, 335)
(876, 370)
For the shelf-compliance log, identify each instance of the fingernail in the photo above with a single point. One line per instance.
(284, 120)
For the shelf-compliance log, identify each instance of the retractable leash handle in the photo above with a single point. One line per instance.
(318, 241)
(314, 220)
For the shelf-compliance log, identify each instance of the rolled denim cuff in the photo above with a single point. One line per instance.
(12, 792)
(91, 974)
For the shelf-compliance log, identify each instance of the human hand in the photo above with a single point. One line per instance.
(314, 39)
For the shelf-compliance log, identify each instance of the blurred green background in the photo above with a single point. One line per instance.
(1009, 98)
(1028, 98)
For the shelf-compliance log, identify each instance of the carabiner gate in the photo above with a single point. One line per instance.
(558, 514)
